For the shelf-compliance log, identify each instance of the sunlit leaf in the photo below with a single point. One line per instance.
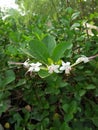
(60, 49)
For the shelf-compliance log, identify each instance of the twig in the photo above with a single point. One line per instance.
(87, 30)
(14, 63)
(92, 57)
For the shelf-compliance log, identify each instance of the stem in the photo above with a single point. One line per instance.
(14, 63)
(92, 57)
(87, 30)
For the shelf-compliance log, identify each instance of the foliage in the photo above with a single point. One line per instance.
(55, 101)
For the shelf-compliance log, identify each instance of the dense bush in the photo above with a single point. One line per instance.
(41, 100)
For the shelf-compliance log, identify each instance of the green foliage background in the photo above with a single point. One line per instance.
(57, 101)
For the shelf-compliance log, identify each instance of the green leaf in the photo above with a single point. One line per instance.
(4, 105)
(38, 50)
(21, 82)
(10, 77)
(14, 36)
(91, 86)
(43, 73)
(72, 107)
(65, 107)
(82, 92)
(69, 10)
(60, 49)
(12, 50)
(94, 31)
(25, 51)
(68, 117)
(75, 25)
(50, 43)
(65, 126)
(75, 15)
(95, 121)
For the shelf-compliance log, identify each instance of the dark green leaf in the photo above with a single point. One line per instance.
(65, 126)
(38, 50)
(10, 77)
(65, 107)
(82, 92)
(43, 73)
(50, 43)
(95, 121)
(60, 49)
(68, 117)
(90, 86)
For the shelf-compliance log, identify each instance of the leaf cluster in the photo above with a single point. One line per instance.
(56, 102)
